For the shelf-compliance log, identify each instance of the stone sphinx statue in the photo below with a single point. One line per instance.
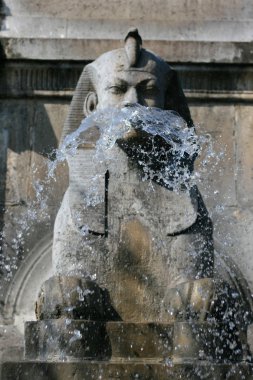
(128, 247)
(141, 242)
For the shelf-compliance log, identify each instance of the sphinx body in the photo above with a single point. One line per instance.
(139, 239)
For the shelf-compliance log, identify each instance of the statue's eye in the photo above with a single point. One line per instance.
(150, 90)
(117, 89)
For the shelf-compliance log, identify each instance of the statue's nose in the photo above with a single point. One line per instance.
(131, 97)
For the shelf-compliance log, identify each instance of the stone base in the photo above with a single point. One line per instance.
(180, 342)
(64, 339)
(148, 370)
(65, 349)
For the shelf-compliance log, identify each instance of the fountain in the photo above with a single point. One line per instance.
(136, 291)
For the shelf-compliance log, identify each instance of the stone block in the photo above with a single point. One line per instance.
(206, 341)
(26, 26)
(244, 155)
(140, 340)
(89, 49)
(47, 27)
(228, 189)
(16, 121)
(29, 130)
(162, 10)
(180, 342)
(73, 297)
(11, 343)
(234, 232)
(216, 165)
(123, 371)
(66, 339)
(45, 135)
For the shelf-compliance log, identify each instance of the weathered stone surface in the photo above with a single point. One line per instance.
(123, 371)
(84, 50)
(208, 10)
(140, 340)
(44, 137)
(244, 155)
(180, 342)
(226, 185)
(18, 155)
(215, 165)
(66, 339)
(31, 131)
(24, 125)
(233, 231)
(54, 80)
(213, 343)
(204, 21)
(47, 27)
(59, 28)
(75, 298)
(11, 344)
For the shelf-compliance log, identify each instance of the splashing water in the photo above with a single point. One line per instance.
(159, 141)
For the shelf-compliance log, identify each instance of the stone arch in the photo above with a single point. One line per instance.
(23, 290)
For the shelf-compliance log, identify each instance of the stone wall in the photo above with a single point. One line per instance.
(173, 20)
(44, 46)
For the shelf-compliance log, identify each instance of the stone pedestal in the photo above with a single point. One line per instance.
(178, 342)
(83, 350)
(80, 336)
(87, 370)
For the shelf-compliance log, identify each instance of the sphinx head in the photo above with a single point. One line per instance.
(124, 77)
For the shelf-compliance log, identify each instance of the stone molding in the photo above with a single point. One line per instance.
(81, 49)
(187, 29)
(224, 82)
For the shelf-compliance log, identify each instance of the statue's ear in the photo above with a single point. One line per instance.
(175, 98)
(82, 95)
(90, 103)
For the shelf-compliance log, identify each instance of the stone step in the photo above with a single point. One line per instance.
(66, 339)
(44, 340)
(150, 370)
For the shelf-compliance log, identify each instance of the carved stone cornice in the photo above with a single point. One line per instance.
(222, 82)
(82, 49)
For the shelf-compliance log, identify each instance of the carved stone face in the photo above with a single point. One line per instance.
(124, 77)
(118, 84)
(130, 86)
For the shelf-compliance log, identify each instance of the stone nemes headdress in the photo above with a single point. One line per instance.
(130, 58)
